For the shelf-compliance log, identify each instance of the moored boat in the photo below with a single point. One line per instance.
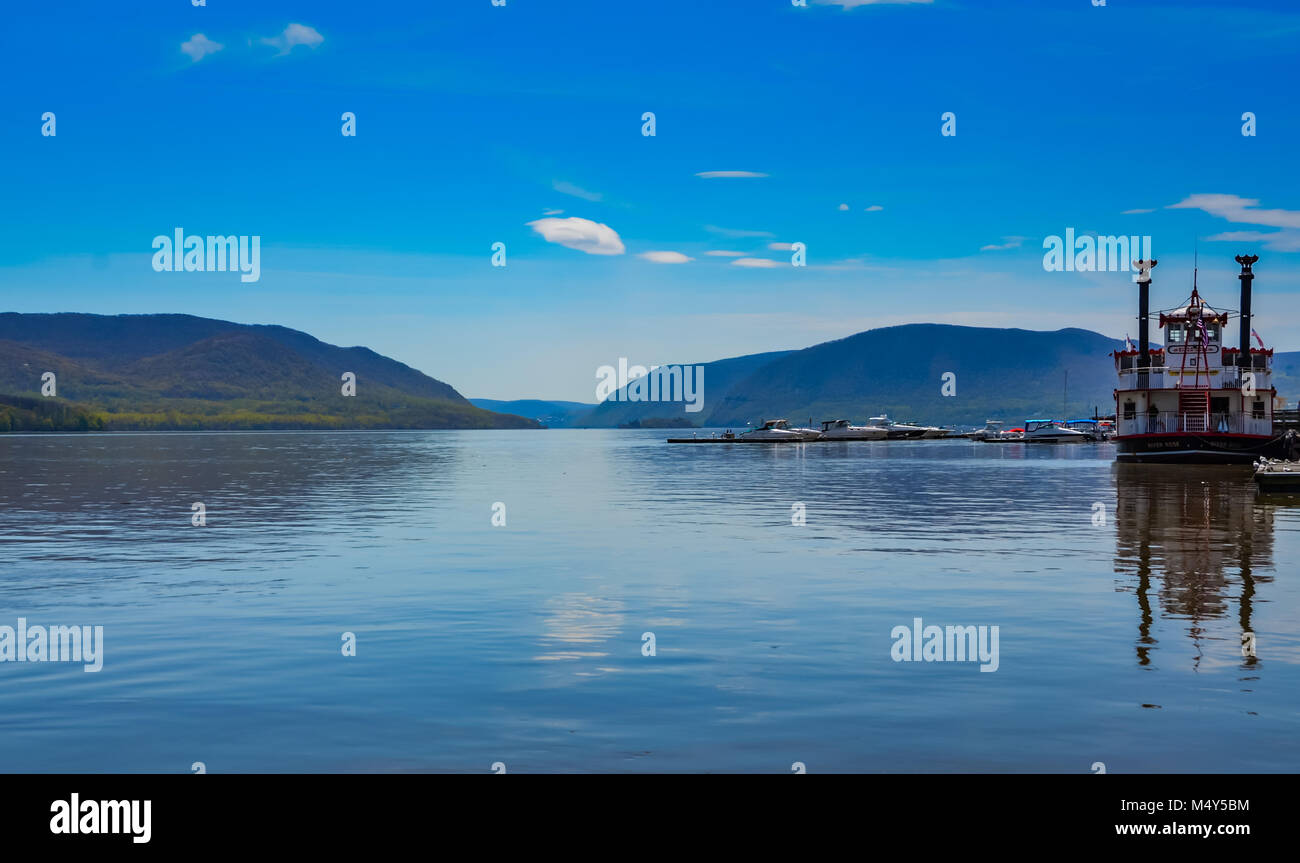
(841, 430)
(1194, 400)
(777, 431)
(897, 431)
(1053, 431)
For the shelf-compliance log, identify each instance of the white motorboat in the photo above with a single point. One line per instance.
(841, 430)
(897, 431)
(778, 431)
(992, 429)
(1053, 431)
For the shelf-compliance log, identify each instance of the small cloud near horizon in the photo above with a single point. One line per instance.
(293, 36)
(199, 46)
(594, 238)
(724, 253)
(756, 263)
(1011, 243)
(710, 175)
(874, 208)
(666, 257)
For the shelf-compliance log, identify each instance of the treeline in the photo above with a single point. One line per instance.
(20, 414)
(25, 414)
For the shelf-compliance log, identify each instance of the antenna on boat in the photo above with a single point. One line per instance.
(1196, 261)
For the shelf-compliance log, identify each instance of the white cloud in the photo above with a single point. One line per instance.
(758, 263)
(735, 234)
(874, 208)
(584, 235)
(1011, 243)
(781, 247)
(293, 36)
(200, 46)
(666, 257)
(723, 253)
(1135, 212)
(843, 207)
(710, 175)
(566, 188)
(1276, 241)
(551, 212)
(1237, 209)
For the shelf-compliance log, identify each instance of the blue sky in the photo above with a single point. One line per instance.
(474, 122)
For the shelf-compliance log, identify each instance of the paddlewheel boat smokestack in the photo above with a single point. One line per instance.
(1246, 277)
(1144, 311)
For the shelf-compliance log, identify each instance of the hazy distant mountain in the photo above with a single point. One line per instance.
(549, 413)
(720, 377)
(1006, 374)
(180, 371)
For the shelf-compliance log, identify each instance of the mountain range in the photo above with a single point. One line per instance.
(185, 372)
(1007, 374)
(182, 372)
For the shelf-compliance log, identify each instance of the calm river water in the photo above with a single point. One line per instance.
(1120, 598)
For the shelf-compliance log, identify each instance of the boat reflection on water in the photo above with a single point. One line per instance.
(1194, 545)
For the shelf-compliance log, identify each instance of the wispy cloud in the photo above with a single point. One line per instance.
(711, 175)
(874, 208)
(757, 263)
(781, 247)
(551, 212)
(666, 257)
(723, 253)
(1235, 208)
(1010, 243)
(736, 234)
(1276, 241)
(1135, 212)
(594, 238)
(564, 187)
(199, 46)
(293, 36)
(844, 208)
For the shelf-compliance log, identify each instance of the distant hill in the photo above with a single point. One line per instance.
(1006, 374)
(549, 413)
(185, 372)
(720, 376)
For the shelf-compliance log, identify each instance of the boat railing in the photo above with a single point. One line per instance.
(1174, 422)
(1165, 377)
